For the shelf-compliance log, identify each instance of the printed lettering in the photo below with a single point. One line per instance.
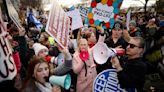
(4, 45)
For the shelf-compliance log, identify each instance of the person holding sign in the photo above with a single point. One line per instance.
(116, 40)
(131, 74)
(42, 51)
(84, 66)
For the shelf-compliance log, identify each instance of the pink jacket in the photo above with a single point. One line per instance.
(85, 78)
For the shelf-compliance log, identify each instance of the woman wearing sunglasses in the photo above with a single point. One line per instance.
(131, 74)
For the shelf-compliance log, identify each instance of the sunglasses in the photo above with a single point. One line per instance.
(132, 45)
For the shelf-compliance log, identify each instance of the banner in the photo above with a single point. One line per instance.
(76, 19)
(7, 64)
(59, 25)
(103, 12)
(107, 81)
(13, 14)
(83, 11)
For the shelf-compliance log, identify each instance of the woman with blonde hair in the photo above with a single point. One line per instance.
(84, 66)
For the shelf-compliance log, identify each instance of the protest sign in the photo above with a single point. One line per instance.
(76, 19)
(83, 11)
(7, 65)
(107, 81)
(103, 12)
(128, 19)
(59, 25)
(13, 14)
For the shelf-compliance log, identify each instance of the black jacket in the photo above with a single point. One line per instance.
(133, 74)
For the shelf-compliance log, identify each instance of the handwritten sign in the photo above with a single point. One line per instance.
(107, 81)
(7, 65)
(59, 25)
(103, 12)
(76, 19)
(13, 14)
(83, 11)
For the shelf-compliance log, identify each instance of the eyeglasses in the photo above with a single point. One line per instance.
(132, 45)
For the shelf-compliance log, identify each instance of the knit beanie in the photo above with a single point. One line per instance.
(38, 47)
(118, 25)
(132, 22)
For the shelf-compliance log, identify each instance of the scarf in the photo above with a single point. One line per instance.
(42, 88)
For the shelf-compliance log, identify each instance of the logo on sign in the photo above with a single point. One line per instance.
(107, 81)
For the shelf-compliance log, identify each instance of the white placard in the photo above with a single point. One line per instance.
(83, 11)
(59, 25)
(76, 19)
(103, 12)
(7, 64)
(13, 14)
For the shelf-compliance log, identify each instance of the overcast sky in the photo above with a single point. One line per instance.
(128, 3)
(125, 4)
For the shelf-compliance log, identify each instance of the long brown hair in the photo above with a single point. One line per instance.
(29, 80)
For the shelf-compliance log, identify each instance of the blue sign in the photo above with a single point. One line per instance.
(107, 81)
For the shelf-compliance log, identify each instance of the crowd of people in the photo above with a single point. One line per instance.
(35, 56)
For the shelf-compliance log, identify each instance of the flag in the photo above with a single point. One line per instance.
(34, 20)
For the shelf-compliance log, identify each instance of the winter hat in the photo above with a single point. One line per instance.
(118, 25)
(38, 47)
(153, 19)
(132, 22)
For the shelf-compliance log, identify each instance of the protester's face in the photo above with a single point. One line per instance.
(131, 27)
(44, 40)
(41, 71)
(92, 29)
(116, 33)
(83, 46)
(151, 22)
(140, 21)
(92, 38)
(44, 22)
(43, 53)
(15, 33)
(82, 32)
(133, 48)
